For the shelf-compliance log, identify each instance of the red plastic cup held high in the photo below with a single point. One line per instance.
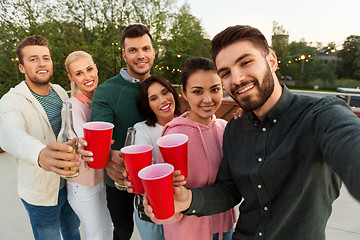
(136, 157)
(174, 150)
(98, 136)
(158, 183)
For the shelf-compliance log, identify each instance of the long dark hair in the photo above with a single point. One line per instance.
(142, 100)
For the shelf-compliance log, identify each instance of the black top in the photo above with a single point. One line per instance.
(285, 168)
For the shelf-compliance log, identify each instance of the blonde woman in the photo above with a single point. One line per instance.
(86, 192)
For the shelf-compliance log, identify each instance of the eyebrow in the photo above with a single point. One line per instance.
(196, 87)
(215, 85)
(86, 68)
(236, 61)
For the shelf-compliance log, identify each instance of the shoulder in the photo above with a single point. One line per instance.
(140, 125)
(16, 95)
(221, 122)
(60, 91)
(333, 109)
(77, 104)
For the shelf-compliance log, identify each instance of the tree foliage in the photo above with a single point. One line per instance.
(186, 40)
(96, 26)
(350, 58)
(299, 59)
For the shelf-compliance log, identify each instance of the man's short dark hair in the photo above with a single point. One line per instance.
(238, 33)
(34, 40)
(134, 31)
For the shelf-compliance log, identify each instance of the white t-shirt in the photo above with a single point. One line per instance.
(148, 135)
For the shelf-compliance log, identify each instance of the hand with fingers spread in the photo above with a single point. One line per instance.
(57, 156)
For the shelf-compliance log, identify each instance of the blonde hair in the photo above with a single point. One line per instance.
(72, 57)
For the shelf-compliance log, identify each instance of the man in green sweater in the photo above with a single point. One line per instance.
(114, 101)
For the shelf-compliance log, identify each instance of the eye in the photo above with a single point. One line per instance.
(32, 59)
(78, 74)
(90, 69)
(225, 74)
(197, 92)
(147, 48)
(246, 63)
(132, 50)
(153, 98)
(214, 90)
(165, 91)
(47, 59)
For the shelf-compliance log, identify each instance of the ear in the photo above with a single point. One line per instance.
(154, 52)
(21, 68)
(183, 93)
(95, 68)
(124, 55)
(272, 60)
(69, 76)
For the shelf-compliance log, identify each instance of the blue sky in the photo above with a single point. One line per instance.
(313, 20)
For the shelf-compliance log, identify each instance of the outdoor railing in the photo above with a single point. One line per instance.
(229, 107)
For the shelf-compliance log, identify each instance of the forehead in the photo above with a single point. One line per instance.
(80, 64)
(155, 88)
(203, 79)
(231, 53)
(138, 42)
(35, 50)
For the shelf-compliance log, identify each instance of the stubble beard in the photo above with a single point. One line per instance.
(40, 82)
(251, 103)
(137, 72)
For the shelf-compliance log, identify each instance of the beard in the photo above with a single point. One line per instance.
(251, 103)
(137, 72)
(40, 82)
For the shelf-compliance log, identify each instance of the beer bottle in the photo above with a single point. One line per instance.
(67, 133)
(129, 140)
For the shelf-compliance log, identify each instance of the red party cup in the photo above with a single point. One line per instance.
(158, 183)
(136, 157)
(98, 136)
(174, 150)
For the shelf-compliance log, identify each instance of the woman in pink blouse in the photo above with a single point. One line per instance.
(86, 192)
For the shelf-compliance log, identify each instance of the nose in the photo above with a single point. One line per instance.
(86, 76)
(162, 99)
(141, 54)
(207, 98)
(41, 62)
(237, 77)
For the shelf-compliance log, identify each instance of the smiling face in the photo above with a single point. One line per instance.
(161, 102)
(37, 67)
(84, 74)
(204, 94)
(247, 75)
(139, 55)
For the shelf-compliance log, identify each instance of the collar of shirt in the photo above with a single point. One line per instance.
(84, 99)
(127, 77)
(278, 110)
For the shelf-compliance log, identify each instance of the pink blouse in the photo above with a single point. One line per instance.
(81, 112)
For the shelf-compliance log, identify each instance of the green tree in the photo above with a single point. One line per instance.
(96, 26)
(187, 39)
(280, 40)
(350, 58)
